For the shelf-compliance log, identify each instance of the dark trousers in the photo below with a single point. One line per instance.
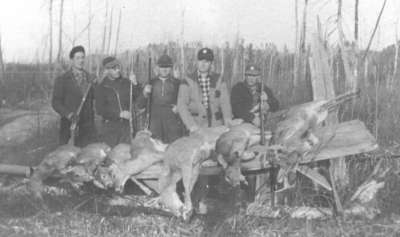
(165, 125)
(86, 133)
(115, 132)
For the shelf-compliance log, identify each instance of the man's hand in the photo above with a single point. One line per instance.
(265, 107)
(256, 120)
(72, 117)
(264, 96)
(132, 78)
(146, 90)
(174, 109)
(125, 114)
(193, 129)
(176, 72)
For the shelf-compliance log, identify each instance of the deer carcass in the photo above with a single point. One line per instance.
(182, 160)
(52, 165)
(124, 161)
(231, 149)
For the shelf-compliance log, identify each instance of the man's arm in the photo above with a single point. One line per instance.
(239, 107)
(272, 101)
(57, 100)
(182, 105)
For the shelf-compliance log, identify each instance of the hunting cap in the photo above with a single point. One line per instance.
(110, 62)
(76, 49)
(252, 70)
(165, 61)
(205, 54)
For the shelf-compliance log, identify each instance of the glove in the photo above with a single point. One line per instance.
(125, 114)
(264, 96)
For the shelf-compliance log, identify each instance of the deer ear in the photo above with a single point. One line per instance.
(222, 161)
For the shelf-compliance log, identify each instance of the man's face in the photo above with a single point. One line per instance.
(164, 71)
(252, 80)
(78, 61)
(203, 65)
(114, 72)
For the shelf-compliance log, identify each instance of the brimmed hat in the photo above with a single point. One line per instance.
(205, 54)
(110, 62)
(252, 70)
(165, 61)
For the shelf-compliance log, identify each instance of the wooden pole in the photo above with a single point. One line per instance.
(118, 29)
(373, 33)
(110, 31)
(60, 32)
(50, 39)
(103, 43)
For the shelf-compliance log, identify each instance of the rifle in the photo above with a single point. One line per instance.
(132, 120)
(74, 123)
(148, 103)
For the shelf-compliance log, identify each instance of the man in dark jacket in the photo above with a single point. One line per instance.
(162, 91)
(113, 103)
(245, 97)
(69, 89)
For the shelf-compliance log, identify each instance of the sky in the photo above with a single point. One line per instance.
(24, 24)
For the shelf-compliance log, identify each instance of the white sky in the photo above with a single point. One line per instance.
(24, 23)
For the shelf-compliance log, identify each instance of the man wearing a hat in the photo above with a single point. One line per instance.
(68, 91)
(203, 99)
(162, 91)
(113, 102)
(245, 97)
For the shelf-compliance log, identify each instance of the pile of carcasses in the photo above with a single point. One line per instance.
(226, 146)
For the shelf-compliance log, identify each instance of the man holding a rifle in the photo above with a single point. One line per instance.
(246, 96)
(113, 103)
(72, 99)
(162, 92)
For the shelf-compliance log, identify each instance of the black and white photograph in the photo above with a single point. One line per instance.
(252, 118)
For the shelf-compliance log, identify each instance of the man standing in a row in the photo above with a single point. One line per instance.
(246, 95)
(203, 101)
(162, 91)
(69, 92)
(113, 103)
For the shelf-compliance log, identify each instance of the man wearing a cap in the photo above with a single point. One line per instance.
(203, 99)
(162, 91)
(68, 91)
(245, 97)
(113, 102)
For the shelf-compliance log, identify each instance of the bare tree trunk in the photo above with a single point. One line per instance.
(103, 44)
(375, 28)
(118, 29)
(2, 67)
(296, 45)
(110, 31)
(304, 28)
(60, 32)
(356, 22)
(396, 58)
(89, 34)
(50, 39)
(183, 44)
